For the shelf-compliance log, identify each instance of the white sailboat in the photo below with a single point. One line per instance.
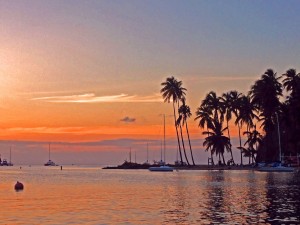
(162, 168)
(277, 167)
(50, 162)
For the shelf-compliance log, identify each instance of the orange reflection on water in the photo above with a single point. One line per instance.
(85, 195)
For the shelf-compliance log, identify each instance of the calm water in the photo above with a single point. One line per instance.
(82, 195)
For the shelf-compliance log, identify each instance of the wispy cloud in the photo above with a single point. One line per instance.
(92, 98)
(128, 119)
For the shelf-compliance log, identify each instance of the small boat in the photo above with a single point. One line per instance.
(5, 162)
(50, 162)
(161, 169)
(276, 168)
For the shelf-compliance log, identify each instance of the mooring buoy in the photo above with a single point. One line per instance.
(19, 186)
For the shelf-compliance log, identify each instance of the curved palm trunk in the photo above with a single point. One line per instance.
(240, 143)
(230, 142)
(187, 131)
(183, 146)
(179, 147)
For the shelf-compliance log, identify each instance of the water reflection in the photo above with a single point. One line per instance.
(232, 197)
(93, 196)
(283, 197)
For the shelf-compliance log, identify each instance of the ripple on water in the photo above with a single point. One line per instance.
(78, 195)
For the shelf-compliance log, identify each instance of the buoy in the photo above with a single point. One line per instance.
(19, 186)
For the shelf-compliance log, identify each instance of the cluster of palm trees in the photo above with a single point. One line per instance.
(264, 106)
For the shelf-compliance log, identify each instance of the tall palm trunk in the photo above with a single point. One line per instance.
(183, 146)
(179, 147)
(240, 143)
(250, 155)
(223, 158)
(188, 134)
(229, 141)
(211, 154)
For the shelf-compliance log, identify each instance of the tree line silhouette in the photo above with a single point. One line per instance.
(272, 101)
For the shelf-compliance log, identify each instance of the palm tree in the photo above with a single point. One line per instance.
(235, 101)
(215, 140)
(227, 104)
(291, 81)
(212, 101)
(203, 115)
(178, 124)
(185, 113)
(290, 111)
(172, 90)
(254, 139)
(265, 95)
(246, 114)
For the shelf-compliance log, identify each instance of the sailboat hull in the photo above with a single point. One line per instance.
(161, 169)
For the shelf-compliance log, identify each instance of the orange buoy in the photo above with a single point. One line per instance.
(19, 186)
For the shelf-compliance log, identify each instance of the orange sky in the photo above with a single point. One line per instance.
(91, 71)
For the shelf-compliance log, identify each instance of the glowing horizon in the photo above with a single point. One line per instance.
(92, 70)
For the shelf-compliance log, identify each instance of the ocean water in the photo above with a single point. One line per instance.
(90, 195)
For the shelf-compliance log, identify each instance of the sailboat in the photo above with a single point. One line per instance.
(50, 162)
(5, 162)
(10, 163)
(163, 167)
(277, 167)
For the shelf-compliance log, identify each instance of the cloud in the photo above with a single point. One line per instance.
(128, 119)
(92, 98)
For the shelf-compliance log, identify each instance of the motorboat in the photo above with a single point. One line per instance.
(50, 163)
(161, 169)
(276, 167)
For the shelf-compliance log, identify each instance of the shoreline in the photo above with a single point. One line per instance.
(131, 166)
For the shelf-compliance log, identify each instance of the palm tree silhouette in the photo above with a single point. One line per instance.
(291, 81)
(210, 110)
(265, 95)
(185, 113)
(215, 140)
(230, 104)
(203, 115)
(254, 139)
(235, 98)
(172, 90)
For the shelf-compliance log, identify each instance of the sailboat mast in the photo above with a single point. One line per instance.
(161, 150)
(10, 155)
(49, 151)
(279, 141)
(164, 138)
(147, 152)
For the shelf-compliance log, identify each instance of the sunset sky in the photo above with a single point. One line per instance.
(86, 75)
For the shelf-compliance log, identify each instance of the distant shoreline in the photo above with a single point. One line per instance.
(197, 167)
